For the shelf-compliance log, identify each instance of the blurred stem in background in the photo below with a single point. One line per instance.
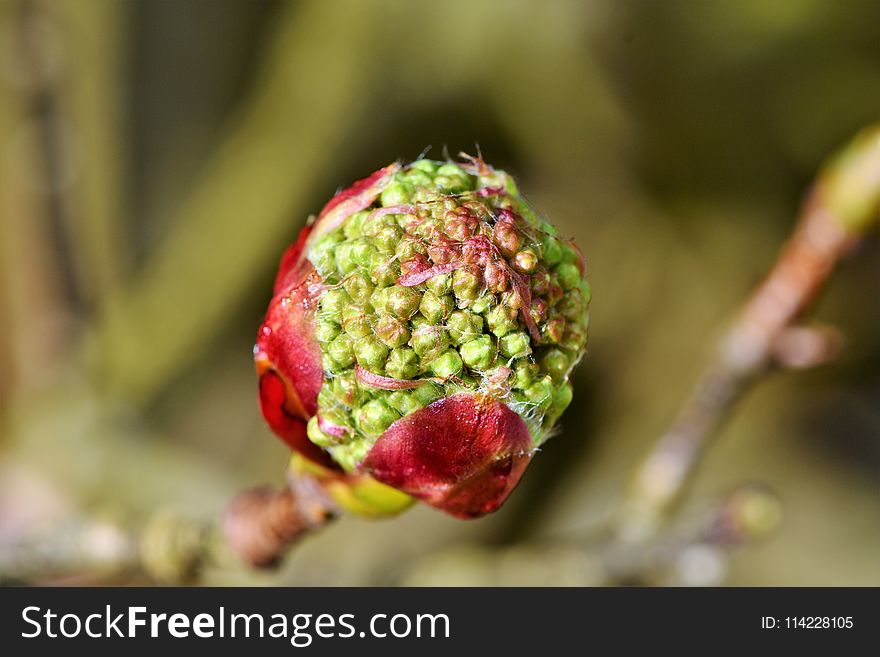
(90, 36)
(239, 211)
(36, 301)
(842, 207)
(62, 174)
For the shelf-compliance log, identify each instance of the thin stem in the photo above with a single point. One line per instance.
(260, 525)
(256, 530)
(841, 207)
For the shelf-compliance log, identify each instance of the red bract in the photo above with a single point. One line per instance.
(463, 454)
(287, 355)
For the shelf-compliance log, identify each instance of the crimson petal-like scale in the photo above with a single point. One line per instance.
(288, 360)
(463, 454)
(287, 355)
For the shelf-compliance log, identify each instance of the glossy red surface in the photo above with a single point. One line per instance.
(463, 454)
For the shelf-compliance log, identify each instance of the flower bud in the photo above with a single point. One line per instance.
(420, 339)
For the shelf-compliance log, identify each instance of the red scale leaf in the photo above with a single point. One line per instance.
(463, 454)
(287, 355)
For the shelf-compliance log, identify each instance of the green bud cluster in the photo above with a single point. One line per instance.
(452, 279)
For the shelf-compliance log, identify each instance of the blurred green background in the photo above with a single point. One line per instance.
(158, 156)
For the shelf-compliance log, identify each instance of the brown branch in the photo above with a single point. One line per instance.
(256, 530)
(260, 525)
(839, 210)
(85, 549)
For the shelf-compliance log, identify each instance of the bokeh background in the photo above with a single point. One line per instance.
(157, 156)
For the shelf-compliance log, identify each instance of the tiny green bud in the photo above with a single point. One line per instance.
(418, 179)
(435, 308)
(402, 363)
(428, 341)
(326, 330)
(408, 248)
(561, 400)
(426, 166)
(447, 364)
(418, 321)
(359, 287)
(541, 392)
(352, 226)
(373, 224)
(404, 402)
(466, 283)
(464, 325)
(569, 255)
(451, 184)
(388, 238)
(515, 345)
(552, 250)
(396, 193)
(384, 271)
(547, 228)
(440, 284)
(587, 292)
(341, 350)
(568, 275)
(450, 169)
(501, 320)
(371, 353)
(375, 416)
(344, 256)
(402, 302)
(555, 363)
(478, 354)
(391, 331)
(379, 298)
(333, 303)
(322, 254)
(525, 373)
(350, 455)
(483, 303)
(451, 179)
(345, 388)
(362, 251)
(428, 393)
(355, 322)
